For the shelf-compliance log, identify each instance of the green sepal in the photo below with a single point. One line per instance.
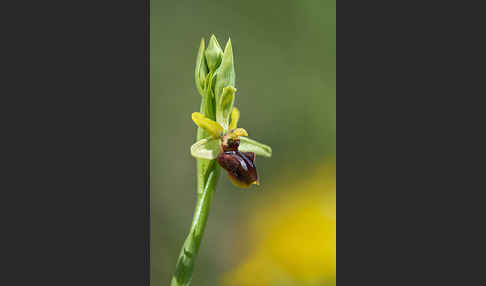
(207, 148)
(250, 145)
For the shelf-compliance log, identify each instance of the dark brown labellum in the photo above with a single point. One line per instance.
(240, 167)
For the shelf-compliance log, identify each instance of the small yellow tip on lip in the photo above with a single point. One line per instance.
(256, 183)
(239, 132)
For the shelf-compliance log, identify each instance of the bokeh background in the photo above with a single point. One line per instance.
(282, 232)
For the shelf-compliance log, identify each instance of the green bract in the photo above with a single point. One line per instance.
(201, 69)
(225, 74)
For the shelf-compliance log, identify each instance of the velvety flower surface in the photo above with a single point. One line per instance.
(240, 166)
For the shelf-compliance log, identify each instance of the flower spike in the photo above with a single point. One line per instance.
(220, 144)
(227, 143)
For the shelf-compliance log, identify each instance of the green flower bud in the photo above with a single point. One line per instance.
(201, 70)
(214, 54)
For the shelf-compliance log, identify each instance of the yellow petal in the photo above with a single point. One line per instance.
(212, 127)
(239, 132)
(235, 117)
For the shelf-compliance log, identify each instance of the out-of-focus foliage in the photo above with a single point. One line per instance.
(285, 59)
(292, 239)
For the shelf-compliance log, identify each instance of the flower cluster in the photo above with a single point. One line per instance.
(219, 136)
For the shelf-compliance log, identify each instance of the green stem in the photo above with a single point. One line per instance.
(207, 177)
(189, 251)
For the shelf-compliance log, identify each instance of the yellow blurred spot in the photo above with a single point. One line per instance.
(293, 237)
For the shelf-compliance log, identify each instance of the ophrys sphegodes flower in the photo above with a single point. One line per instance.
(234, 151)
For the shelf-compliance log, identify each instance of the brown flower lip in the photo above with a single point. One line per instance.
(240, 166)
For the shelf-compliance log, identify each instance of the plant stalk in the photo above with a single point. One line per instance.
(207, 177)
(189, 251)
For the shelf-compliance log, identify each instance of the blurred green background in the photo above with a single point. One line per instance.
(282, 232)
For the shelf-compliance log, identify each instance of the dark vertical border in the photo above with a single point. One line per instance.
(410, 174)
(147, 81)
(75, 181)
